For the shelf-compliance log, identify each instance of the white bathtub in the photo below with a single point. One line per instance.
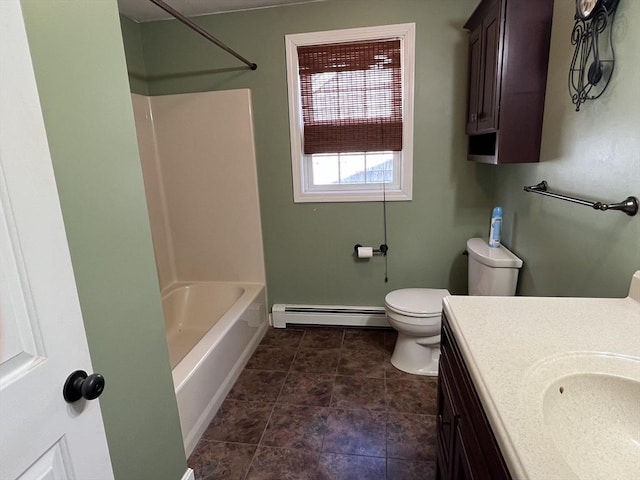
(212, 330)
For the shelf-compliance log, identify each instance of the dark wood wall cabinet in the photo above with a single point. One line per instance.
(467, 448)
(507, 78)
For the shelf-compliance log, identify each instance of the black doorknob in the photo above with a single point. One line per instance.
(79, 385)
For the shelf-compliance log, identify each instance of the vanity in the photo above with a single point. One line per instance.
(537, 388)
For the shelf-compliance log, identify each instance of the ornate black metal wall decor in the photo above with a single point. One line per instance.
(594, 57)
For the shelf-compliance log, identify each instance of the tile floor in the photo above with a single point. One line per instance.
(322, 403)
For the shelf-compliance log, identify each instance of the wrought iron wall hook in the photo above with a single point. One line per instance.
(594, 56)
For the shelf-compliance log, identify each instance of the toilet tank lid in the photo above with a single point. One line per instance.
(499, 257)
(416, 301)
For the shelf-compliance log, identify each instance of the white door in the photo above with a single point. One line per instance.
(42, 337)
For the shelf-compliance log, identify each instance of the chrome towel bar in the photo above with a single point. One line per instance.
(629, 205)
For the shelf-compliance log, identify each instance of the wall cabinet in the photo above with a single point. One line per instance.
(483, 50)
(507, 76)
(467, 448)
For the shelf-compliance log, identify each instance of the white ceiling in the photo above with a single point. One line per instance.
(145, 11)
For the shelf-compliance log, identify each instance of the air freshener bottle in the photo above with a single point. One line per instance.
(496, 227)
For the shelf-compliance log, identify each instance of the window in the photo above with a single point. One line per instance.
(351, 113)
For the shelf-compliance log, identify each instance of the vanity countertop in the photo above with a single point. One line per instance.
(517, 348)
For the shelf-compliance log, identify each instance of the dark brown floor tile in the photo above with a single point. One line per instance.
(352, 467)
(411, 437)
(398, 469)
(293, 426)
(358, 392)
(216, 460)
(356, 432)
(283, 337)
(257, 386)
(362, 363)
(410, 396)
(269, 357)
(302, 438)
(316, 360)
(284, 464)
(312, 389)
(240, 422)
(322, 338)
(390, 337)
(362, 339)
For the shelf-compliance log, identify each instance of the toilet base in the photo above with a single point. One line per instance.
(416, 358)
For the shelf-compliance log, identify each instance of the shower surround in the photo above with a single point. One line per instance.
(199, 167)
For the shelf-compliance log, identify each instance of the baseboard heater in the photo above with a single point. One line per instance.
(283, 315)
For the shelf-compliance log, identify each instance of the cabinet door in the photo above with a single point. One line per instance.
(445, 425)
(461, 468)
(489, 88)
(474, 77)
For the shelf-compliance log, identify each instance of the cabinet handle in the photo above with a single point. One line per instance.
(442, 422)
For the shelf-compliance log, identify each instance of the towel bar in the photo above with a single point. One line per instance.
(629, 205)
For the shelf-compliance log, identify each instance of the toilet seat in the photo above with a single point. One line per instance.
(416, 302)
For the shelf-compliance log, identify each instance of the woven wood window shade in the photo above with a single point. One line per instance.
(351, 97)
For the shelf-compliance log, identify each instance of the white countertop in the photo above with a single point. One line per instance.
(507, 341)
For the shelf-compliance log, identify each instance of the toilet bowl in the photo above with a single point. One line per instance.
(416, 312)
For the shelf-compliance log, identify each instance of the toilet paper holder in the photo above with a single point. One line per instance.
(384, 248)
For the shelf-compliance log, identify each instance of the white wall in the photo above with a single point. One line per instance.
(198, 160)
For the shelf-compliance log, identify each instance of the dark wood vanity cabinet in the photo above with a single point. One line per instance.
(467, 448)
(506, 79)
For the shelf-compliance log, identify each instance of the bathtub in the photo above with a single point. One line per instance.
(212, 329)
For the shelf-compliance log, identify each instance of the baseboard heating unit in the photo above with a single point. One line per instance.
(327, 315)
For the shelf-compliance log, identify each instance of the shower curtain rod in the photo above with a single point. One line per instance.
(197, 28)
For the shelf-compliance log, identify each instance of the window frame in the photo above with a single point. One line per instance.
(299, 161)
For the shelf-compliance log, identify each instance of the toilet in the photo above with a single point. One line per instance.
(416, 312)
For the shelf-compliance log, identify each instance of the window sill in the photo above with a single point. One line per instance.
(362, 196)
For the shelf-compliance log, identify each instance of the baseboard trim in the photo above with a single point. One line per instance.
(189, 475)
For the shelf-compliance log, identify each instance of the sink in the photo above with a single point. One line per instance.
(597, 415)
(586, 408)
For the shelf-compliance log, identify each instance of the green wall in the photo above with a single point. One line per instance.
(134, 54)
(80, 69)
(309, 247)
(570, 249)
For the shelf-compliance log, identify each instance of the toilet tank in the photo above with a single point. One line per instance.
(492, 271)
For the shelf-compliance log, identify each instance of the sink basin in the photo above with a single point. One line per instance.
(586, 409)
(597, 416)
